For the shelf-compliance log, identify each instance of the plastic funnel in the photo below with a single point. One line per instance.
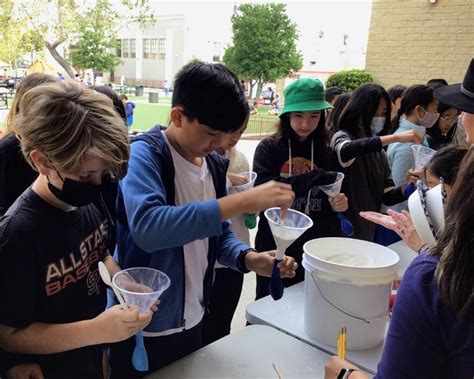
(285, 233)
(422, 155)
(332, 190)
(335, 188)
(141, 286)
(252, 176)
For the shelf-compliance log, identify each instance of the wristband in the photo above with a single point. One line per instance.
(422, 248)
(345, 372)
(241, 260)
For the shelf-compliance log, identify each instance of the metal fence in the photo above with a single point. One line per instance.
(260, 126)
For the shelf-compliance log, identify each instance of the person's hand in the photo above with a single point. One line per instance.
(411, 177)
(262, 264)
(25, 371)
(409, 136)
(339, 203)
(117, 324)
(333, 367)
(237, 180)
(267, 195)
(400, 223)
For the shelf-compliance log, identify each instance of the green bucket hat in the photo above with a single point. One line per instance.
(303, 95)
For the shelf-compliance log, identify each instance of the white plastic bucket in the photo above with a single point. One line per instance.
(347, 283)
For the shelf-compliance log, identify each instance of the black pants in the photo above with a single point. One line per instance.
(224, 299)
(161, 351)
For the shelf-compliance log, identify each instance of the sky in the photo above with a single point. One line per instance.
(210, 21)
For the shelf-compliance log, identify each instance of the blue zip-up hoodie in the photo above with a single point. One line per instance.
(152, 230)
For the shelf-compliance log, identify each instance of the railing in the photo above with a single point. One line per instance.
(260, 126)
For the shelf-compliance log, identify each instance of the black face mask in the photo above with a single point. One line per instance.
(76, 193)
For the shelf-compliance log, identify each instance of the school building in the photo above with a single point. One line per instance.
(412, 41)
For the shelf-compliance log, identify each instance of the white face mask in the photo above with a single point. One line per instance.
(429, 119)
(376, 125)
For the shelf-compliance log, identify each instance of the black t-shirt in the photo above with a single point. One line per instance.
(49, 273)
(16, 175)
(271, 162)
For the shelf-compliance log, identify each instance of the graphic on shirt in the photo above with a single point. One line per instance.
(77, 264)
(299, 166)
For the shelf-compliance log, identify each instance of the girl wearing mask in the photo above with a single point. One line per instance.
(419, 108)
(295, 154)
(443, 132)
(363, 128)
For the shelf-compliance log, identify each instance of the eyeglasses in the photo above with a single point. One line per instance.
(452, 119)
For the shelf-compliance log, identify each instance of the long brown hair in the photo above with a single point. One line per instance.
(27, 83)
(456, 244)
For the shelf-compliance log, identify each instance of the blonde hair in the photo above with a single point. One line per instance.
(69, 123)
(27, 83)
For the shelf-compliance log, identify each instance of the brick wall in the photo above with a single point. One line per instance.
(412, 41)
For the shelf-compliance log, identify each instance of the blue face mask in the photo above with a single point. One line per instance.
(376, 125)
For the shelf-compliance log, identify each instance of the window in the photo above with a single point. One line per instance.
(154, 48)
(146, 49)
(118, 48)
(132, 48)
(125, 48)
(161, 48)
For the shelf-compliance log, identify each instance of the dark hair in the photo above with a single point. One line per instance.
(212, 94)
(455, 247)
(415, 95)
(332, 92)
(396, 92)
(320, 135)
(110, 93)
(356, 116)
(339, 105)
(445, 163)
(436, 137)
(436, 83)
(123, 96)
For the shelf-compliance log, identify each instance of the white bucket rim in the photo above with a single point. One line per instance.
(351, 240)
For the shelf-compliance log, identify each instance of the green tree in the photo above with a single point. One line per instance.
(59, 23)
(92, 50)
(15, 40)
(264, 44)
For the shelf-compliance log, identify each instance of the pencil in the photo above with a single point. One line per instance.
(343, 347)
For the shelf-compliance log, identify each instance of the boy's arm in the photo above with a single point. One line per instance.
(154, 224)
(113, 325)
(230, 248)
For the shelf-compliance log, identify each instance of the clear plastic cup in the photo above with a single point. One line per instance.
(422, 155)
(141, 286)
(252, 176)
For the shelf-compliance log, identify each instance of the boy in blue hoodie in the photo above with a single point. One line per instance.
(129, 107)
(173, 211)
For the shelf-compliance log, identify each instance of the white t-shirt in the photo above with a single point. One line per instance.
(192, 184)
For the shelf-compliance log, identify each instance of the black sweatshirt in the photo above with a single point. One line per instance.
(368, 180)
(16, 175)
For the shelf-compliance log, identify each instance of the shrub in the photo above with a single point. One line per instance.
(349, 80)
